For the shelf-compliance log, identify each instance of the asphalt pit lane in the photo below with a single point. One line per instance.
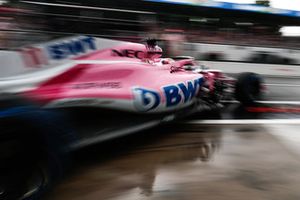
(261, 111)
(189, 165)
(197, 128)
(253, 180)
(274, 109)
(211, 114)
(241, 112)
(246, 129)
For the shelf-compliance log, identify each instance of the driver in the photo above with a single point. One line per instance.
(153, 51)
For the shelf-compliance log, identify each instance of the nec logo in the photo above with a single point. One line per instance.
(129, 53)
(71, 48)
(146, 100)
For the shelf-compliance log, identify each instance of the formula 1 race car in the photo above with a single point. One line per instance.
(111, 92)
(132, 77)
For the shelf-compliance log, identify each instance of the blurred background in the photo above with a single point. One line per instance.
(186, 26)
(227, 157)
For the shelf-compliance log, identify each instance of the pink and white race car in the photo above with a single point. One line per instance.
(130, 85)
(104, 94)
(133, 77)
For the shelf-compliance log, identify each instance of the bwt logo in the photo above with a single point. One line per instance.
(71, 48)
(146, 100)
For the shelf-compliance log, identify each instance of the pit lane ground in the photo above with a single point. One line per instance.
(190, 162)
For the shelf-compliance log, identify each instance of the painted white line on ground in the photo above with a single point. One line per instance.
(281, 85)
(243, 121)
(281, 102)
(268, 102)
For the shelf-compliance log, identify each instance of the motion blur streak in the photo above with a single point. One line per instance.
(149, 100)
(86, 7)
(244, 121)
(273, 109)
(208, 162)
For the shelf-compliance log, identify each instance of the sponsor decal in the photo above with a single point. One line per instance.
(79, 102)
(76, 102)
(112, 85)
(33, 57)
(74, 47)
(129, 53)
(146, 100)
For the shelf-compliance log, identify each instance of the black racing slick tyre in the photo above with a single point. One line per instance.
(31, 155)
(27, 170)
(248, 88)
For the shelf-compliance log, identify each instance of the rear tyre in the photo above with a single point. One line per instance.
(28, 171)
(33, 152)
(248, 88)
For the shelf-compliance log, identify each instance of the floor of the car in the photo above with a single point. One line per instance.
(96, 125)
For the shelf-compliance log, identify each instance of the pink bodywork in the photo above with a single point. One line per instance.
(109, 77)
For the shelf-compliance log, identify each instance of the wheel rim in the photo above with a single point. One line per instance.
(31, 187)
(23, 175)
(36, 182)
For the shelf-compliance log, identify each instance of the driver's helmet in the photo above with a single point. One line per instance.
(153, 51)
